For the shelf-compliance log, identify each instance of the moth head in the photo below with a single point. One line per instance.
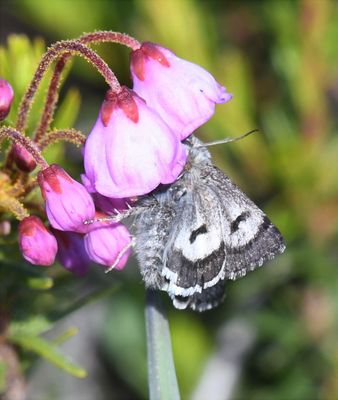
(198, 154)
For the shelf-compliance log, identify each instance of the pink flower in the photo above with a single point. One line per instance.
(23, 158)
(68, 204)
(37, 244)
(108, 205)
(72, 253)
(6, 98)
(183, 93)
(108, 244)
(130, 150)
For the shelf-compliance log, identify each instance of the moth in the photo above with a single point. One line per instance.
(199, 232)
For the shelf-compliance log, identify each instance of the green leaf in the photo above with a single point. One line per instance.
(161, 369)
(66, 335)
(48, 351)
(31, 326)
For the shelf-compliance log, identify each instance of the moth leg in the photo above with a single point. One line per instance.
(130, 212)
(121, 254)
(120, 215)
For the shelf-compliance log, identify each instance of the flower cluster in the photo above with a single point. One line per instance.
(68, 205)
(134, 146)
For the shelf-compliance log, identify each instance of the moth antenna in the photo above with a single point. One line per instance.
(227, 140)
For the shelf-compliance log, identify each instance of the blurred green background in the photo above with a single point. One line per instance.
(279, 59)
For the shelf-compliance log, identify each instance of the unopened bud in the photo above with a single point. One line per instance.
(6, 98)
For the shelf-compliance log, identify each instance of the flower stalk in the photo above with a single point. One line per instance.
(110, 36)
(24, 141)
(51, 99)
(52, 94)
(54, 52)
(67, 135)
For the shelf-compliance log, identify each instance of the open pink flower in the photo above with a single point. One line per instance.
(183, 93)
(68, 204)
(108, 244)
(130, 150)
(37, 244)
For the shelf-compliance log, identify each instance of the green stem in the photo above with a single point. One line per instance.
(161, 369)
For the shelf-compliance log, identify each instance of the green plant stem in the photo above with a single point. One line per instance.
(162, 379)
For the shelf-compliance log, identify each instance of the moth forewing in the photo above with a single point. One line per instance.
(201, 231)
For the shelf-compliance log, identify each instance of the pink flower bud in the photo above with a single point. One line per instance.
(37, 244)
(23, 158)
(130, 150)
(6, 98)
(72, 254)
(68, 204)
(108, 244)
(183, 93)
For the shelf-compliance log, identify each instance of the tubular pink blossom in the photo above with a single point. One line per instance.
(23, 159)
(6, 98)
(107, 205)
(71, 252)
(37, 244)
(130, 150)
(68, 204)
(183, 93)
(108, 244)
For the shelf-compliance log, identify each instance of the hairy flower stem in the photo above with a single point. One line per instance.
(24, 141)
(68, 135)
(52, 94)
(51, 99)
(161, 369)
(109, 36)
(73, 47)
(12, 205)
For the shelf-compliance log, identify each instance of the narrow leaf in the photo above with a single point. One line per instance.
(161, 369)
(30, 326)
(66, 335)
(50, 352)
